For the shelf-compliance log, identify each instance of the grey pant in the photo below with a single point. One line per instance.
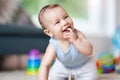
(86, 72)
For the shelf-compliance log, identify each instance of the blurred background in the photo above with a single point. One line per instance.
(20, 31)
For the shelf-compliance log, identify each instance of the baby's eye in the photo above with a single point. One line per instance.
(66, 17)
(57, 22)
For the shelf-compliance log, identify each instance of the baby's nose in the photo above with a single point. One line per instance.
(64, 22)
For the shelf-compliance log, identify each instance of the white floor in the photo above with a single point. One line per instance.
(16, 75)
(21, 75)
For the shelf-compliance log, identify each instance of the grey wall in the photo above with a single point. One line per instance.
(100, 44)
(118, 13)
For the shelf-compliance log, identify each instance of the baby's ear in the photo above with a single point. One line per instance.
(47, 32)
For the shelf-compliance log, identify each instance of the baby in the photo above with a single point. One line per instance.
(69, 47)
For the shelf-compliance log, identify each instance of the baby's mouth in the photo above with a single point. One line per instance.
(67, 29)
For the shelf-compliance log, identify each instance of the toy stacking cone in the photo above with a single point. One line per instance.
(33, 62)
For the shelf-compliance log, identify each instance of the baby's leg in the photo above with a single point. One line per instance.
(87, 76)
(58, 72)
(87, 71)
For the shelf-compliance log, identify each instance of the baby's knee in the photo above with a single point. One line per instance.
(93, 77)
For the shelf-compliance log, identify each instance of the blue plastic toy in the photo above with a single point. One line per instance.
(116, 49)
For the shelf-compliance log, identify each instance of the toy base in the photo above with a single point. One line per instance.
(31, 72)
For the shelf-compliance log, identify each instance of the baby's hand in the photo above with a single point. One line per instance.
(71, 35)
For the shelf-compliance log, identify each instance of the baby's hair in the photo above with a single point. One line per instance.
(43, 10)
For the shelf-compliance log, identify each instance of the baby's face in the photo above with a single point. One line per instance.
(57, 22)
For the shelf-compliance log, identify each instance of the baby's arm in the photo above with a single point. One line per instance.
(82, 44)
(78, 39)
(47, 59)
